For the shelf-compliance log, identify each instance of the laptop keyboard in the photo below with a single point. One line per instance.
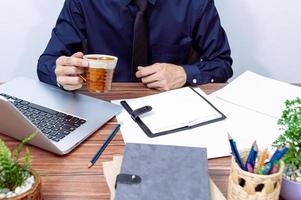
(55, 125)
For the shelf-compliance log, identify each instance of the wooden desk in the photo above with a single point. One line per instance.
(67, 177)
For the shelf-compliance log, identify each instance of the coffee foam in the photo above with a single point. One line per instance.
(101, 64)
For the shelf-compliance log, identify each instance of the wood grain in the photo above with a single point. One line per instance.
(67, 177)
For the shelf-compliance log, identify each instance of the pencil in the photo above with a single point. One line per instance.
(255, 155)
(283, 151)
(250, 168)
(235, 153)
(103, 147)
(274, 168)
(266, 170)
(275, 155)
(263, 156)
(252, 155)
(275, 158)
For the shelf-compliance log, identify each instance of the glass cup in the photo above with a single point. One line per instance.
(99, 75)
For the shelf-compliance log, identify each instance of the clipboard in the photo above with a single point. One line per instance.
(136, 115)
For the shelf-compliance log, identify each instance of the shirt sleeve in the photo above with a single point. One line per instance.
(67, 38)
(210, 41)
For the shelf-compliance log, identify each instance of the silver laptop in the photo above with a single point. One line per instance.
(61, 119)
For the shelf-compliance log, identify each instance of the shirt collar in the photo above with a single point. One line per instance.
(126, 2)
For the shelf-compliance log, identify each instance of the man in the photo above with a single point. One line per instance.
(153, 40)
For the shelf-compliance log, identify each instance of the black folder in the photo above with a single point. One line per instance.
(161, 172)
(137, 115)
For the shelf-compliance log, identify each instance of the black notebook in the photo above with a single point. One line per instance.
(159, 172)
(172, 111)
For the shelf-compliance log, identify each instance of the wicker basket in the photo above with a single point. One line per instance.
(35, 193)
(248, 186)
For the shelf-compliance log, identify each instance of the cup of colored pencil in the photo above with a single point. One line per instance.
(258, 163)
(255, 174)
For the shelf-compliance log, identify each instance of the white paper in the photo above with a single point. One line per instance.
(244, 125)
(174, 109)
(111, 169)
(259, 93)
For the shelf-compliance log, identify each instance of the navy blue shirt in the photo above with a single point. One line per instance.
(175, 27)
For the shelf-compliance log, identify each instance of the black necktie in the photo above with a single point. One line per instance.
(140, 42)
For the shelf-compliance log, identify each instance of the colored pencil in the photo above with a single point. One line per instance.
(103, 147)
(250, 168)
(260, 163)
(250, 156)
(274, 169)
(235, 153)
(266, 170)
(255, 155)
(283, 151)
(275, 155)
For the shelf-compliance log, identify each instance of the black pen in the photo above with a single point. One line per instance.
(103, 147)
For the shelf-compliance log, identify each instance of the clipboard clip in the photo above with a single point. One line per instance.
(140, 111)
(127, 179)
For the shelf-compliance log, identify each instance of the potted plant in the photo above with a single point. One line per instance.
(290, 122)
(17, 179)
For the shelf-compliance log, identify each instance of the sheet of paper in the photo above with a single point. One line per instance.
(259, 93)
(216, 194)
(244, 125)
(110, 172)
(112, 169)
(174, 109)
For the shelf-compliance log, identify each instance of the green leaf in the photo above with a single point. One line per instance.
(290, 122)
(23, 142)
(12, 173)
(4, 150)
(27, 164)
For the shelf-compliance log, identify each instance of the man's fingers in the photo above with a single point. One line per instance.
(152, 78)
(146, 71)
(69, 80)
(156, 84)
(68, 70)
(72, 61)
(78, 55)
(72, 87)
(161, 85)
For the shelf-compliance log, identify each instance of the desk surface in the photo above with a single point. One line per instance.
(67, 177)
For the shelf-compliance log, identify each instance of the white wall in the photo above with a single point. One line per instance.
(265, 35)
(25, 28)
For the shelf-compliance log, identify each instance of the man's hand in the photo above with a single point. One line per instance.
(68, 69)
(162, 76)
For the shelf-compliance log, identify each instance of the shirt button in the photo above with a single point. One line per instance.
(194, 81)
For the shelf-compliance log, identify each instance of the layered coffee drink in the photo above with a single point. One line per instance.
(99, 74)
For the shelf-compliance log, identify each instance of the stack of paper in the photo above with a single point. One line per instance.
(252, 105)
(259, 93)
(112, 169)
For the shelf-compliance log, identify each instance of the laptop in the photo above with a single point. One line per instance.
(61, 119)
